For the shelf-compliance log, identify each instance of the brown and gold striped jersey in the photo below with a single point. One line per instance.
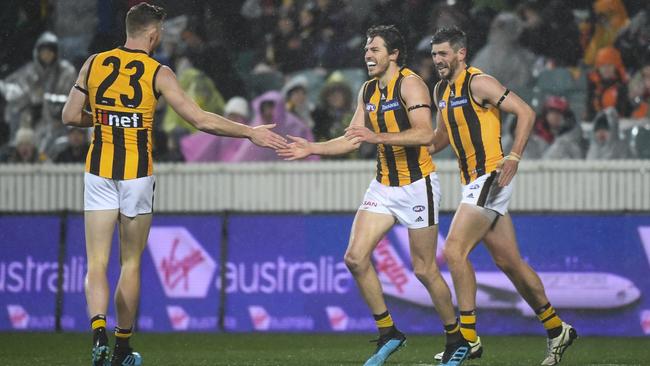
(474, 130)
(123, 97)
(385, 111)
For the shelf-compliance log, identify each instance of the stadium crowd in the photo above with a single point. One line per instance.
(583, 65)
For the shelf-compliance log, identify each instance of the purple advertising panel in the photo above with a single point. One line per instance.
(286, 273)
(29, 272)
(178, 291)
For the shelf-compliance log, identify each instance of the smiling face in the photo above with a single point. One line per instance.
(446, 60)
(377, 57)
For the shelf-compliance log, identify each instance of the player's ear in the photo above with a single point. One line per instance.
(394, 55)
(462, 54)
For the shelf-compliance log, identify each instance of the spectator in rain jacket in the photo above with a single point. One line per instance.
(611, 18)
(270, 108)
(606, 143)
(203, 147)
(36, 93)
(608, 84)
(561, 130)
(503, 57)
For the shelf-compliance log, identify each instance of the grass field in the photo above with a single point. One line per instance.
(19, 349)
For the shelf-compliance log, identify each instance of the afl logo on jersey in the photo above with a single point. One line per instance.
(442, 104)
(370, 107)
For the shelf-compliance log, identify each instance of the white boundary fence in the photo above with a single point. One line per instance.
(559, 186)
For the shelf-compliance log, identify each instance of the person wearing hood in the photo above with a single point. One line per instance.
(297, 99)
(607, 85)
(639, 89)
(23, 150)
(198, 86)
(503, 57)
(606, 143)
(203, 147)
(559, 128)
(611, 18)
(36, 92)
(270, 108)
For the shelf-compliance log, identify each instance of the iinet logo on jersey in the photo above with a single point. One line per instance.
(184, 268)
(340, 321)
(18, 316)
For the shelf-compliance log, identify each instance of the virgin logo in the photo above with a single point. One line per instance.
(337, 317)
(18, 316)
(184, 268)
(390, 265)
(259, 317)
(177, 269)
(645, 321)
(178, 317)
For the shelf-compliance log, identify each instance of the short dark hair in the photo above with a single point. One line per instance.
(392, 38)
(455, 36)
(142, 15)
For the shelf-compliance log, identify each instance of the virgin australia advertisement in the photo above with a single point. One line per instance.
(29, 268)
(286, 273)
(177, 275)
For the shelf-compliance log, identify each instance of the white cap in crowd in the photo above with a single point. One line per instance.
(24, 135)
(237, 105)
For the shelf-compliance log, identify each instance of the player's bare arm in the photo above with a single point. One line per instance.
(440, 135)
(215, 124)
(73, 113)
(487, 89)
(301, 148)
(416, 96)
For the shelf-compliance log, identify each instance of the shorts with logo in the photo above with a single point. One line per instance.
(484, 191)
(415, 205)
(132, 197)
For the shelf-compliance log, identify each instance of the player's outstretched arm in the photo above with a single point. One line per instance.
(73, 113)
(418, 103)
(215, 124)
(485, 88)
(301, 148)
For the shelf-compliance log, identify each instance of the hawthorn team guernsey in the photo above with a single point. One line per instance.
(387, 112)
(122, 95)
(474, 130)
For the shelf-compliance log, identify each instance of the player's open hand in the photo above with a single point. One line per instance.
(264, 137)
(298, 149)
(508, 169)
(361, 134)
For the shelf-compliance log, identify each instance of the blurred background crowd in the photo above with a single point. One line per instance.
(583, 65)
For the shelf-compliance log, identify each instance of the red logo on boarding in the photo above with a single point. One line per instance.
(259, 317)
(337, 317)
(178, 318)
(18, 316)
(390, 265)
(183, 266)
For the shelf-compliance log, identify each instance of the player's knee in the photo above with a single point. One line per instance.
(425, 273)
(503, 264)
(356, 262)
(131, 263)
(453, 253)
(507, 265)
(97, 265)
